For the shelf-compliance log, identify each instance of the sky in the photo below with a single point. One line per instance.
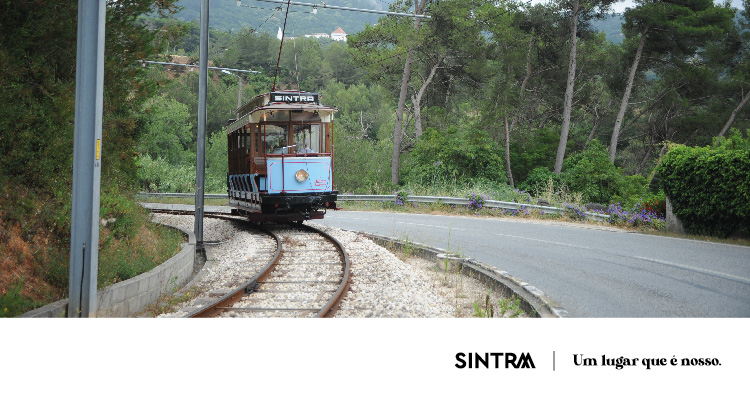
(619, 7)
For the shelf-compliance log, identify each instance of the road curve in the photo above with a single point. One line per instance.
(592, 271)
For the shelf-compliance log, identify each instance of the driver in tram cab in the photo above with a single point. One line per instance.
(307, 149)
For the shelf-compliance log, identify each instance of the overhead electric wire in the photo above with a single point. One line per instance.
(281, 45)
(252, 30)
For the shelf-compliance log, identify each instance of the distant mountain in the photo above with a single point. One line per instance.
(225, 15)
(611, 26)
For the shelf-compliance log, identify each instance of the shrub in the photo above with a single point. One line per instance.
(709, 187)
(574, 212)
(591, 173)
(638, 216)
(455, 155)
(401, 197)
(476, 202)
(538, 180)
(656, 204)
(631, 190)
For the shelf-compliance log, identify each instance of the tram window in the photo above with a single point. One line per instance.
(305, 116)
(277, 115)
(307, 138)
(257, 139)
(276, 139)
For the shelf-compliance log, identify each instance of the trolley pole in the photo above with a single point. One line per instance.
(201, 151)
(87, 139)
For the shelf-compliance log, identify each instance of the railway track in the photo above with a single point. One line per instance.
(307, 276)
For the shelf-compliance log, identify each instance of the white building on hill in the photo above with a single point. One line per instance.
(319, 36)
(338, 34)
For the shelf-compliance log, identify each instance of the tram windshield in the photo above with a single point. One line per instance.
(276, 139)
(298, 132)
(307, 138)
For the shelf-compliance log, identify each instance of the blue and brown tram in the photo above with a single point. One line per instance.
(281, 158)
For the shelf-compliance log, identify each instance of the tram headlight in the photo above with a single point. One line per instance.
(301, 175)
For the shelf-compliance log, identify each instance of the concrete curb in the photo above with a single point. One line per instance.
(533, 300)
(127, 298)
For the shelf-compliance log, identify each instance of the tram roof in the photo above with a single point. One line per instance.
(252, 111)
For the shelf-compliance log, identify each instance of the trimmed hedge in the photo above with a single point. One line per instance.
(709, 187)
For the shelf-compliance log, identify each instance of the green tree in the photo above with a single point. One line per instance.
(167, 131)
(671, 30)
(582, 10)
(739, 72)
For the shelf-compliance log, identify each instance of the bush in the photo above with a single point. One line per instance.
(638, 216)
(455, 155)
(538, 180)
(655, 204)
(709, 187)
(631, 190)
(591, 173)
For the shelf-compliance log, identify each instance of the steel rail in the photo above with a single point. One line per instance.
(330, 308)
(225, 302)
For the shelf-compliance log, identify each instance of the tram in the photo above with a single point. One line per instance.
(281, 158)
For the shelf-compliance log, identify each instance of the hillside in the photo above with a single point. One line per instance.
(611, 26)
(227, 16)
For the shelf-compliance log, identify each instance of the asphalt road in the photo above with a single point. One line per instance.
(591, 271)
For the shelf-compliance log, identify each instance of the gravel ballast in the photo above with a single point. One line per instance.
(383, 284)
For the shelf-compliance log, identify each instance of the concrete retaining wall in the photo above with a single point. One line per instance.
(533, 300)
(127, 298)
(674, 224)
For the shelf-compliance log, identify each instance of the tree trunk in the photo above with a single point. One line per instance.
(568, 91)
(524, 82)
(597, 121)
(397, 132)
(507, 150)
(642, 164)
(734, 114)
(417, 101)
(626, 98)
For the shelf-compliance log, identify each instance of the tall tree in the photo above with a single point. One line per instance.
(398, 128)
(740, 71)
(582, 10)
(668, 30)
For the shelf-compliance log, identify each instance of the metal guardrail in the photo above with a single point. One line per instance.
(458, 201)
(465, 202)
(183, 195)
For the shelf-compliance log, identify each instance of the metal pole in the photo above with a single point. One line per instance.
(239, 96)
(87, 139)
(201, 156)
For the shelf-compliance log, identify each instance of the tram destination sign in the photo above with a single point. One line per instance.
(281, 97)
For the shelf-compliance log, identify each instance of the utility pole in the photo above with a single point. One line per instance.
(87, 140)
(201, 151)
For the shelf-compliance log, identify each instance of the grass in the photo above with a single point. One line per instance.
(13, 302)
(34, 252)
(123, 259)
(168, 303)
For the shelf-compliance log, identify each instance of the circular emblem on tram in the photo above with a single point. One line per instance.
(301, 175)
